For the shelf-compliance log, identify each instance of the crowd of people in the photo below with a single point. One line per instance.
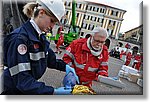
(130, 59)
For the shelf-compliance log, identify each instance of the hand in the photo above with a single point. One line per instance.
(70, 69)
(62, 91)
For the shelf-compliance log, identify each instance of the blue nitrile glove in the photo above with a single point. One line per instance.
(69, 80)
(62, 91)
(70, 69)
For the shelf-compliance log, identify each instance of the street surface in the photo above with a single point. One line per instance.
(54, 78)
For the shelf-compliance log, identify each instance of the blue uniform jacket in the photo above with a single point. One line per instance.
(26, 56)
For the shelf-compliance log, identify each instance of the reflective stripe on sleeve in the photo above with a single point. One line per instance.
(37, 56)
(101, 71)
(19, 68)
(104, 63)
(81, 66)
(69, 54)
(92, 69)
(78, 65)
(73, 58)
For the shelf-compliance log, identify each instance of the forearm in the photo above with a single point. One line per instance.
(28, 85)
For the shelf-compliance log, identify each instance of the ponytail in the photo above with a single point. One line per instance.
(28, 9)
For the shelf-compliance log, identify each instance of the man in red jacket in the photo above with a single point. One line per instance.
(89, 56)
(60, 40)
(137, 61)
(128, 58)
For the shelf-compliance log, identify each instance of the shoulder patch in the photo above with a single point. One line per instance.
(22, 49)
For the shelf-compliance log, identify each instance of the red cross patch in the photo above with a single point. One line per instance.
(36, 46)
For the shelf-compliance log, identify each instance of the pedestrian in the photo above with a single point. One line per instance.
(122, 52)
(128, 46)
(89, 57)
(27, 53)
(60, 40)
(128, 58)
(137, 61)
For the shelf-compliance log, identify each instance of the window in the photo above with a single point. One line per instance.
(78, 5)
(102, 10)
(77, 14)
(67, 3)
(93, 8)
(87, 17)
(114, 13)
(88, 8)
(91, 17)
(84, 17)
(97, 9)
(117, 13)
(84, 25)
(65, 21)
(102, 21)
(94, 19)
(67, 12)
(98, 20)
(112, 23)
(91, 27)
(82, 33)
(109, 22)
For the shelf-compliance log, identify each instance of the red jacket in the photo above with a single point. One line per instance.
(60, 41)
(129, 56)
(79, 56)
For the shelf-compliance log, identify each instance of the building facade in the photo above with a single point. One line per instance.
(134, 35)
(91, 14)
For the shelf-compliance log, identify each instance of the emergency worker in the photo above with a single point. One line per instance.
(27, 53)
(137, 61)
(89, 57)
(128, 58)
(60, 40)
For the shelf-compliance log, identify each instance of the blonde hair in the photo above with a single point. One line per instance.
(32, 10)
(28, 9)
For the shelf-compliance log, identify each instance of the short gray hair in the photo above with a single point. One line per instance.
(101, 31)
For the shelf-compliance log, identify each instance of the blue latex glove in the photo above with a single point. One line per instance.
(62, 91)
(70, 69)
(69, 80)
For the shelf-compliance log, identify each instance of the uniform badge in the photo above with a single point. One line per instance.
(22, 49)
(36, 46)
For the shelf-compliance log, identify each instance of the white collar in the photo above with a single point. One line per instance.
(35, 26)
(95, 53)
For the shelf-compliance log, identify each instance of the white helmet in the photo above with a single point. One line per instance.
(55, 6)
